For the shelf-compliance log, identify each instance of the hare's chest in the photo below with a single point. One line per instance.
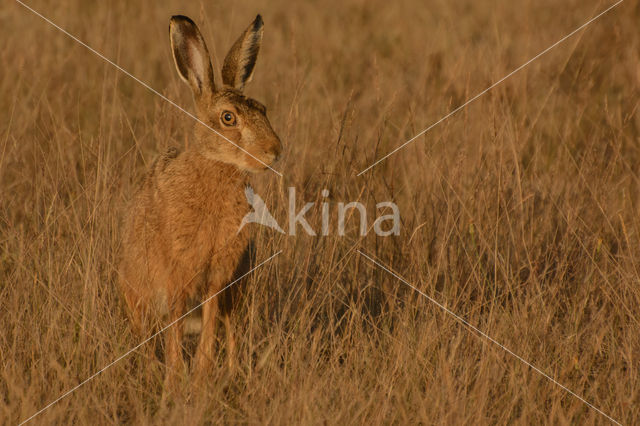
(203, 226)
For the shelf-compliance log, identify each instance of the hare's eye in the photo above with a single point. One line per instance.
(228, 118)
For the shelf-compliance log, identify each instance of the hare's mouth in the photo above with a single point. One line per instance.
(266, 159)
(255, 164)
(271, 158)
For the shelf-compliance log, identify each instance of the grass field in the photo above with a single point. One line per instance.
(519, 213)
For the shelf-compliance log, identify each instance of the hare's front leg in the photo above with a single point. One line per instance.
(219, 285)
(231, 341)
(173, 344)
(206, 345)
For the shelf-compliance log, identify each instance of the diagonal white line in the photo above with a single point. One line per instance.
(581, 27)
(492, 340)
(120, 358)
(147, 86)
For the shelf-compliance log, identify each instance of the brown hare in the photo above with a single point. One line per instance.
(181, 242)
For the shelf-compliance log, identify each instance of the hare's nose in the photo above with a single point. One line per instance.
(272, 154)
(275, 151)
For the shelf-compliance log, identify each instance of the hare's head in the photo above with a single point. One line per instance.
(239, 119)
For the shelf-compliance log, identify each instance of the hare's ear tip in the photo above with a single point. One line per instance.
(176, 19)
(258, 22)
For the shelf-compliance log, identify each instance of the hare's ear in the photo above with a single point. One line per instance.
(241, 59)
(191, 55)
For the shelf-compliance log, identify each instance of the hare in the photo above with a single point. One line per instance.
(181, 241)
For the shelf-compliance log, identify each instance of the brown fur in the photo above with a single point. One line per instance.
(181, 239)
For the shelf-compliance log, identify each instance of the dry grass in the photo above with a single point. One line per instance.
(520, 213)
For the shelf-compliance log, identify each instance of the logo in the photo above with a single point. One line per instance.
(387, 224)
